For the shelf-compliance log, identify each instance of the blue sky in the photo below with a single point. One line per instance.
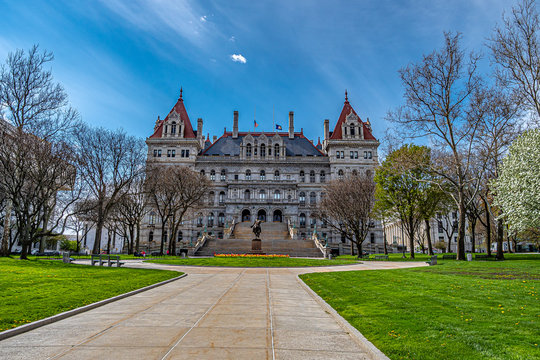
(123, 62)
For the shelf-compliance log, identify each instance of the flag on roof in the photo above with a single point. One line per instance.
(255, 123)
(278, 127)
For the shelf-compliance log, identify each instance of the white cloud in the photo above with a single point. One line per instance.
(232, 39)
(238, 58)
(203, 18)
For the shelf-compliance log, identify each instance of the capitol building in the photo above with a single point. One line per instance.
(277, 177)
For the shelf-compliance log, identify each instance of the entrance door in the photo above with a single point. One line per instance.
(278, 216)
(246, 215)
(261, 215)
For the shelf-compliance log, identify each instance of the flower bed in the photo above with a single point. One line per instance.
(260, 256)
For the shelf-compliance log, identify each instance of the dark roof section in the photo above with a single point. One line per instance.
(226, 145)
(347, 108)
(181, 110)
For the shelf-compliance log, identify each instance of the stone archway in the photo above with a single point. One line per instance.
(246, 215)
(261, 215)
(278, 216)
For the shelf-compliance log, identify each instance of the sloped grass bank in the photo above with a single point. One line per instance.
(31, 289)
(457, 310)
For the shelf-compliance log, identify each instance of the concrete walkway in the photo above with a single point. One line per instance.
(213, 313)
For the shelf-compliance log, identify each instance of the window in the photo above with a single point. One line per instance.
(262, 175)
(223, 176)
(337, 154)
(199, 220)
(370, 155)
(165, 236)
(152, 220)
(173, 153)
(312, 198)
(202, 172)
(365, 155)
(263, 150)
(312, 176)
(211, 219)
(276, 175)
(356, 154)
(173, 128)
(324, 222)
(248, 150)
(355, 173)
(351, 155)
(168, 153)
(212, 175)
(340, 174)
(221, 220)
(372, 238)
(221, 198)
(150, 236)
(323, 176)
(276, 150)
(352, 130)
(211, 197)
(248, 174)
(343, 154)
(187, 152)
(159, 153)
(439, 227)
(288, 177)
(180, 236)
(247, 195)
(302, 176)
(262, 194)
(277, 195)
(255, 150)
(302, 198)
(235, 176)
(312, 222)
(302, 220)
(183, 153)
(155, 153)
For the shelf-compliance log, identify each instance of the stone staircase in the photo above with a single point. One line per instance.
(275, 240)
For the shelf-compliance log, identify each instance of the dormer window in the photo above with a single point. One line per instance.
(352, 130)
(276, 150)
(248, 150)
(173, 128)
(263, 150)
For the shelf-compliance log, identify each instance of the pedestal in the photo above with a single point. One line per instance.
(256, 245)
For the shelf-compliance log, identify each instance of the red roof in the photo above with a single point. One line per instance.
(347, 108)
(181, 110)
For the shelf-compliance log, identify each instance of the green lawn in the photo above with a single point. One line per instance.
(32, 290)
(456, 310)
(254, 262)
(425, 257)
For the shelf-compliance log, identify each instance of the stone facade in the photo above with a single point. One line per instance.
(273, 176)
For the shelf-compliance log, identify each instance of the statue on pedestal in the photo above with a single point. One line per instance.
(256, 228)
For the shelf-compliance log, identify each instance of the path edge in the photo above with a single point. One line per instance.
(63, 315)
(357, 336)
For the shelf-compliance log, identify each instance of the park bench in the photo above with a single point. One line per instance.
(364, 257)
(476, 257)
(432, 261)
(381, 257)
(449, 257)
(109, 259)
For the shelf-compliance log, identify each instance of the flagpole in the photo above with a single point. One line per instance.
(273, 117)
(254, 117)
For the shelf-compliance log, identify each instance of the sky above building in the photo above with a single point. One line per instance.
(122, 63)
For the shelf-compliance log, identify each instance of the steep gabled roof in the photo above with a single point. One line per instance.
(347, 109)
(180, 109)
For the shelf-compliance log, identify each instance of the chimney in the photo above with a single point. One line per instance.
(214, 138)
(235, 125)
(326, 130)
(199, 128)
(291, 125)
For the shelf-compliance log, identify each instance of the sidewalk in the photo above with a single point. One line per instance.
(213, 313)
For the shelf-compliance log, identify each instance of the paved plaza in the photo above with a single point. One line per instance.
(213, 313)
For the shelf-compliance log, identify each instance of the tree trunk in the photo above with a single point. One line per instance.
(508, 240)
(97, 238)
(488, 230)
(138, 238)
(500, 240)
(4, 251)
(131, 239)
(352, 248)
(428, 237)
(108, 241)
(461, 228)
(162, 238)
(24, 240)
(411, 240)
(385, 246)
(449, 250)
(359, 247)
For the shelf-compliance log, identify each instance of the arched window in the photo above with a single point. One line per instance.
(352, 127)
(247, 195)
(152, 220)
(150, 236)
(340, 174)
(180, 236)
(312, 176)
(211, 197)
(312, 222)
(221, 219)
(263, 150)
(277, 195)
(302, 220)
(262, 194)
(173, 128)
(312, 198)
(355, 173)
(302, 198)
(248, 150)
(276, 150)
(202, 173)
(276, 175)
(211, 219)
(199, 220)
(248, 174)
(223, 175)
(263, 175)
(302, 176)
(221, 198)
(212, 175)
(323, 176)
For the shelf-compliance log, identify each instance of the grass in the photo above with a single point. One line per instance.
(425, 257)
(254, 262)
(456, 310)
(32, 289)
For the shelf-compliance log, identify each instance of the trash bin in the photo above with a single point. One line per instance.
(469, 257)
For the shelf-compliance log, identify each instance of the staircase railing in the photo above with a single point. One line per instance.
(200, 242)
(320, 244)
(292, 230)
(230, 229)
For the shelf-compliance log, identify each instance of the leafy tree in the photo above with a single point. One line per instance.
(517, 189)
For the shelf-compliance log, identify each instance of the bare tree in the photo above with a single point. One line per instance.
(515, 48)
(174, 191)
(108, 162)
(438, 92)
(348, 203)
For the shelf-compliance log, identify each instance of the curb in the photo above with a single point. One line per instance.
(357, 336)
(51, 319)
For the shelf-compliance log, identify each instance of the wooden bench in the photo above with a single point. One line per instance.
(381, 257)
(432, 261)
(449, 257)
(109, 259)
